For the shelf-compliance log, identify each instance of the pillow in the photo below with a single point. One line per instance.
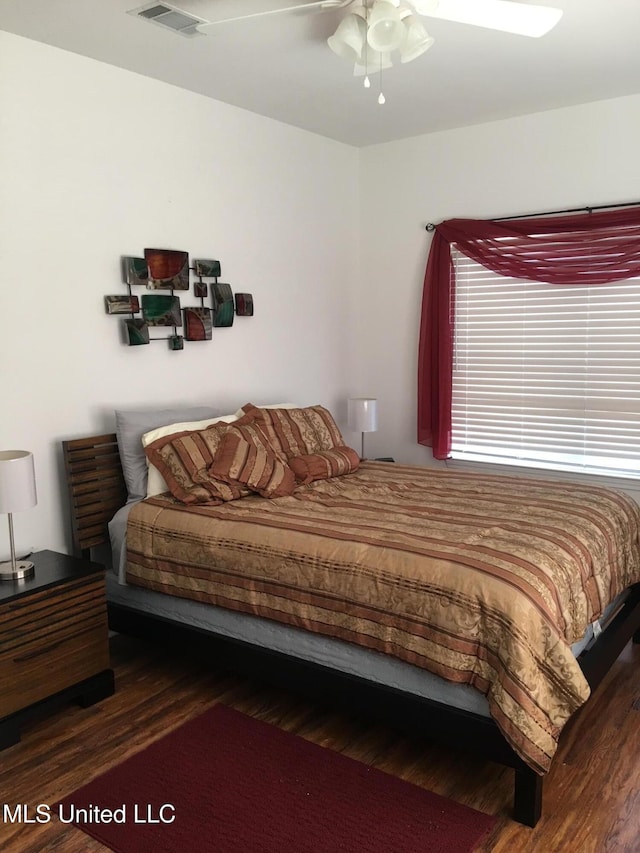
(156, 484)
(183, 460)
(245, 456)
(324, 465)
(131, 426)
(241, 412)
(299, 432)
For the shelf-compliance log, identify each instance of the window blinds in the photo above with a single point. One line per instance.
(546, 375)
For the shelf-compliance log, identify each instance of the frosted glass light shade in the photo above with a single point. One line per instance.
(362, 414)
(17, 481)
(372, 61)
(425, 7)
(418, 40)
(348, 40)
(386, 30)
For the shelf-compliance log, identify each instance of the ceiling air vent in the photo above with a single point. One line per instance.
(170, 18)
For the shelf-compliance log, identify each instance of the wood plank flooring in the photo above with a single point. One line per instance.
(591, 798)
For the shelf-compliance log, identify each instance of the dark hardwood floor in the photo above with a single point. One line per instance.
(591, 798)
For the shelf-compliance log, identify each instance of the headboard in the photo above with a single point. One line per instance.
(96, 488)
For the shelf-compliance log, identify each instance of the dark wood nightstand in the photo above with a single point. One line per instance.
(54, 640)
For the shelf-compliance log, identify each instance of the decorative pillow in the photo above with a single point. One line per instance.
(241, 412)
(131, 426)
(299, 432)
(245, 456)
(183, 459)
(324, 465)
(156, 483)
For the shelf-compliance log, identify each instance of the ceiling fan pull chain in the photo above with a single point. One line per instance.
(367, 82)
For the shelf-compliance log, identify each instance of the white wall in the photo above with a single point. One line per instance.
(585, 155)
(97, 162)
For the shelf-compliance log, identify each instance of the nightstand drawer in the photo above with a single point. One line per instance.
(29, 679)
(51, 640)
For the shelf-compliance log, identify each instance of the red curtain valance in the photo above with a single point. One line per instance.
(587, 248)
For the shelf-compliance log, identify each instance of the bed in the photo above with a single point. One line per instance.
(482, 650)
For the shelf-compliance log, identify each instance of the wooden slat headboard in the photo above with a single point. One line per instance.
(96, 488)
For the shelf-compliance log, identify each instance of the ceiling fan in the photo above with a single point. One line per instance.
(505, 15)
(373, 29)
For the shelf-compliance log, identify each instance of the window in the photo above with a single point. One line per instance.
(592, 248)
(546, 375)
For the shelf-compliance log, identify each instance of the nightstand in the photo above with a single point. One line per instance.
(54, 640)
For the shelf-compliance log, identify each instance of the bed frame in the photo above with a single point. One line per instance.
(97, 491)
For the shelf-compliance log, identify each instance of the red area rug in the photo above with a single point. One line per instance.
(232, 784)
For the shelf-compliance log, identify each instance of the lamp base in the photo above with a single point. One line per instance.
(23, 570)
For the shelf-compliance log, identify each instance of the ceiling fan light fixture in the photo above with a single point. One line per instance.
(425, 7)
(386, 29)
(375, 61)
(418, 41)
(349, 38)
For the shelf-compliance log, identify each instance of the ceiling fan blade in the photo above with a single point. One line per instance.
(519, 18)
(322, 4)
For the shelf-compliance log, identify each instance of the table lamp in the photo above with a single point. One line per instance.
(17, 492)
(362, 416)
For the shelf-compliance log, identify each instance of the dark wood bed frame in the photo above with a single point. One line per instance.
(97, 491)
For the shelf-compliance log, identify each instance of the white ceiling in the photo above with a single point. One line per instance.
(281, 66)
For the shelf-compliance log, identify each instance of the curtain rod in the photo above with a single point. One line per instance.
(431, 227)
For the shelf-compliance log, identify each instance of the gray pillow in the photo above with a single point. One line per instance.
(131, 425)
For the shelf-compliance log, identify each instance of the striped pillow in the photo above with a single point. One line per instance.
(324, 465)
(299, 432)
(246, 457)
(183, 459)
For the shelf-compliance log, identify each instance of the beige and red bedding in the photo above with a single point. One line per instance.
(483, 580)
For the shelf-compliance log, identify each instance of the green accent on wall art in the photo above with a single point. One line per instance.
(161, 310)
(134, 271)
(137, 332)
(176, 342)
(207, 269)
(222, 300)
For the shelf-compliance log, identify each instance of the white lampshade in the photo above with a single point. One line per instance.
(348, 40)
(362, 414)
(17, 481)
(386, 29)
(17, 492)
(418, 40)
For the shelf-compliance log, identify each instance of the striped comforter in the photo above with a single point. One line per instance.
(483, 580)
